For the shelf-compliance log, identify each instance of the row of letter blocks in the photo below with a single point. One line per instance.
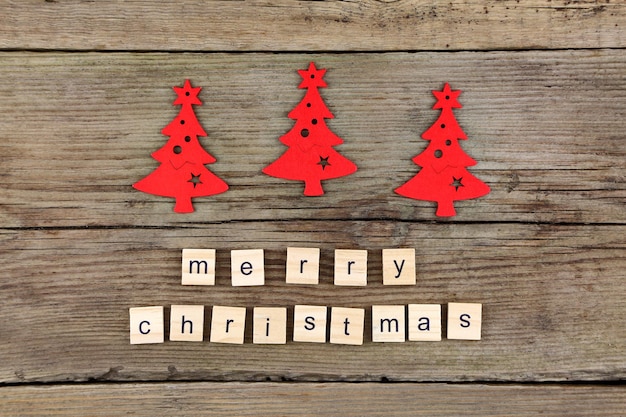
(247, 267)
(389, 324)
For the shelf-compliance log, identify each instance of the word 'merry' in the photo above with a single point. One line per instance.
(248, 269)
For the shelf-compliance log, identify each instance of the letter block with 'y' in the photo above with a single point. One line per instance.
(247, 267)
(399, 266)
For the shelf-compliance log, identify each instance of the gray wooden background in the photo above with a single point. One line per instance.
(85, 88)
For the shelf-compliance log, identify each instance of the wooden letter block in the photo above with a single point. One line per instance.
(270, 325)
(464, 321)
(424, 322)
(146, 325)
(346, 326)
(198, 267)
(399, 266)
(309, 324)
(303, 265)
(186, 323)
(228, 324)
(388, 324)
(247, 267)
(350, 267)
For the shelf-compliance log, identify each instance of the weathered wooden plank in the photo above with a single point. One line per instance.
(271, 399)
(280, 25)
(545, 127)
(553, 305)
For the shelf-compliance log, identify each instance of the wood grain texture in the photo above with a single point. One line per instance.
(283, 25)
(553, 305)
(271, 399)
(545, 127)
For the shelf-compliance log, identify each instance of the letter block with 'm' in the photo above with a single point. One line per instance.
(146, 325)
(388, 323)
(198, 267)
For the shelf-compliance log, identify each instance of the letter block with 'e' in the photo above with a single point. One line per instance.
(388, 323)
(247, 267)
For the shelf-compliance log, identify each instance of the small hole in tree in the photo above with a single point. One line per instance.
(187, 93)
(314, 121)
(448, 142)
(187, 138)
(443, 126)
(177, 149)
(304, 133)
(308, 104)
(438, 153)
(182, 122)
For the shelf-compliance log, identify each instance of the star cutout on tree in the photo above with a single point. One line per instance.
(323, 162)
(195, 179)
(457, 183)
(447, 98)
(312, 77)
(187, 94)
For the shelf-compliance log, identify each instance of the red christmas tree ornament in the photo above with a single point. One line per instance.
(311, 157)
(182, 174)
(444, 177)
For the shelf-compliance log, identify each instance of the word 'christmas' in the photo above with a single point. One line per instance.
(389, 323)
(302, 267)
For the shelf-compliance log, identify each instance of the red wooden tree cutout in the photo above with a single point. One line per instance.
(444, 177)
(182, 174)
(311, 157)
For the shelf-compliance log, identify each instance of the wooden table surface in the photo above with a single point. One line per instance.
(85, 89)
